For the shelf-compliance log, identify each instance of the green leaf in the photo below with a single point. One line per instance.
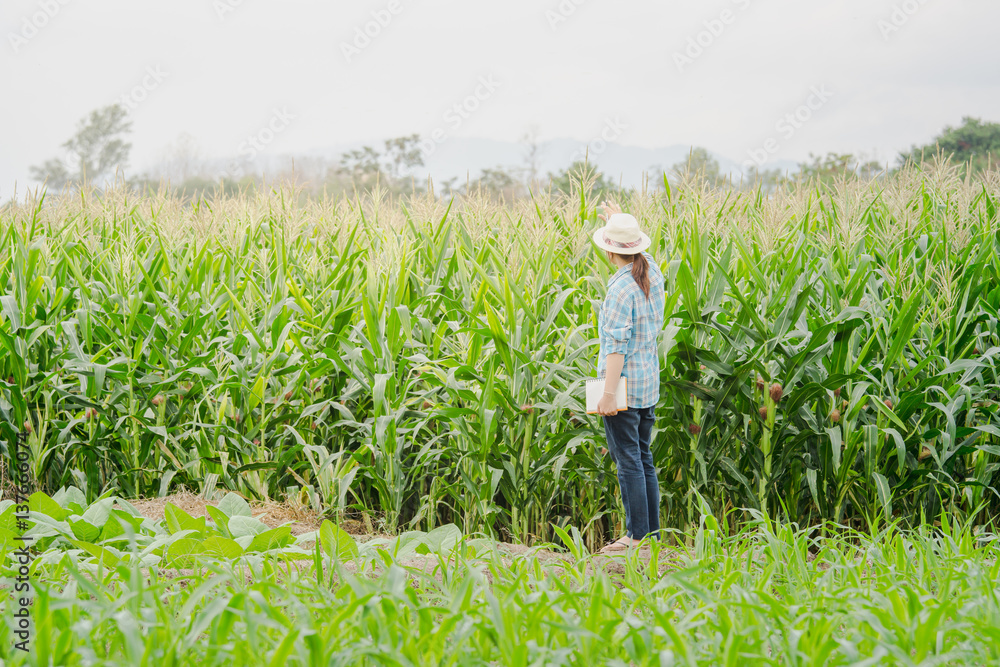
(280, 656)
(43, 504)
(112, 528)
(178, 520)
(70, 494)
(220, 519)
(686, 283)
(98, 513)
(884, 493)
(311, 536)
(903, 326)
(256, 396)
(84, 530)
(245, 526)
(271, 539)
(336, 542)
(181, 553)
(126, 506)
(7, 519)
(729, 468)
(103, 556)
(8, 306)
(900, 449)
(836, 444)
(8, 541)
(881, 407)
(443, 539)
(123, 517)
(233, 505)
(247, 322)
(811, 479)
(222, 548)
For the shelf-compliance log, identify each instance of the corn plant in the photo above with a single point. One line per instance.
(829, 352)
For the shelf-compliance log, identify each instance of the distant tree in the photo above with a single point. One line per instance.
(654, 177)
(582, 175)
(362, 163)
(836, 166)
(869, 169)
(402, 154)
(390, 167)
(699, 162)
(97, 148)
(498, 182)
(768, 179)
(974, 142)
(52, 172)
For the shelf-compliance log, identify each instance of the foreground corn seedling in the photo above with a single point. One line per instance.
(769, 593)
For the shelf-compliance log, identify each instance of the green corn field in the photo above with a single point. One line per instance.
(113, 588)
(829, 354)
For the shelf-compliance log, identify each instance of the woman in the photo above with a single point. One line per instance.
(630, 321)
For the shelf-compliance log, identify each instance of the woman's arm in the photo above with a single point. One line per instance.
(612, 376)
(618, 330)
(613, 371)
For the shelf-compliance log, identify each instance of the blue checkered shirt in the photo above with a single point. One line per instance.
(629, 324)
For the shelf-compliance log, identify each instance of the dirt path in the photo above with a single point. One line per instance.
(304, 520)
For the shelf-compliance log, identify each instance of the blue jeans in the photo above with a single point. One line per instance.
(628, 434)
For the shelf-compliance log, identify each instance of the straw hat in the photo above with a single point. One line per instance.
(621, 235)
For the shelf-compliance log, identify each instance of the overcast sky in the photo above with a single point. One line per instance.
(889, 73)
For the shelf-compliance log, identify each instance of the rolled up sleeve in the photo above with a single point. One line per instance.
(618, 325)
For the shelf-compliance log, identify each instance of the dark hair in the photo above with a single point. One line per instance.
(640, 271)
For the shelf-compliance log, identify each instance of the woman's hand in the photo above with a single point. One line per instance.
(607, 406)
(609, 209)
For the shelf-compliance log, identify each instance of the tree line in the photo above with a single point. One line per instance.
(99, 151)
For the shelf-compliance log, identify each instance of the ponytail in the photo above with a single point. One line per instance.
(640, 271)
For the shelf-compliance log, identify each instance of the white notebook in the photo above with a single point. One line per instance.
(595, 389)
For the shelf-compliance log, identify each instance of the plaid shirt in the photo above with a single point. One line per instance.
(629, 324)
